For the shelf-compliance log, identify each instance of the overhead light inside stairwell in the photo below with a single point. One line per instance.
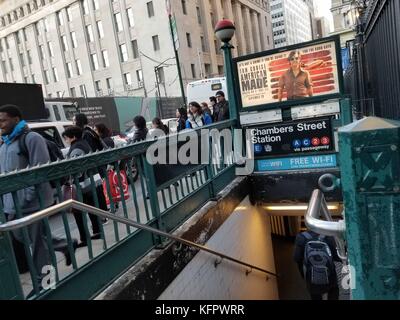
(295, 207)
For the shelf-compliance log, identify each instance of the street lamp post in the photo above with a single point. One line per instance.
(224, 30)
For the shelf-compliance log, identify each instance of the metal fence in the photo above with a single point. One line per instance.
(158, 200)
(374, 79)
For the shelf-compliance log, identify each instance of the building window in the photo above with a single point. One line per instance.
(139, 76)
(96, 4)
(100, 29)
(97, 85)
(106, 62)
(95, 62)
(46, 25)
(131, 20)
(11, 64)
(156, 43)
(198, 15)
(221, 70)
(69, 14)
(108, 83)
(21, 58)
(59, 94)
(51, 49)
(127, 79)
(3, 62)
(42, 53)
(184, 9)
(216, 47)
(73, 92)
(89, 32)
(150, 9)
(135, 49)
(85, 7)
(29, 54)
(82, 88)
(60, 19)
(55, 75)
(161, 75)
(207, 68)
(203, 44)
(123, 52)
(70, 72)
(64, 43)
(193, 68)
(46, 77)
(78, 67)
(33, 79)
(189, 40)
(118, 22)
(74, 42)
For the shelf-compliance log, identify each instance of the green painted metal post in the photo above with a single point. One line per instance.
(370, 165)
(346, 114)
(233, 108)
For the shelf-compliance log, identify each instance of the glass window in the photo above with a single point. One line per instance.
(95, 62)
(64, 43)
(78, 67)
(131, 20)
(135, 49)
(74, 42)
(100, 29)
(118, 22)
(106, 62)
(156, 43)
(89, 32)
(70, 71)
(124, 52)
(127, 78)
(150, 9)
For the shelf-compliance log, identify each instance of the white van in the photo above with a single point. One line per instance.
(201, 90)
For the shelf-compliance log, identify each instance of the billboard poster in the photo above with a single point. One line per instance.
(290, 75)
(301, 137)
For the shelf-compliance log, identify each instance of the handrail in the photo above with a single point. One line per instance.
(316, 206)
(23, 222)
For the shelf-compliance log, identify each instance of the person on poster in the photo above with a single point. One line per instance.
(296, 81)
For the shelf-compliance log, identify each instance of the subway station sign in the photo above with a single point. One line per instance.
(313, 135)
(297, 163)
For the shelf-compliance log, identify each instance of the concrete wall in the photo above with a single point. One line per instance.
(246, 236)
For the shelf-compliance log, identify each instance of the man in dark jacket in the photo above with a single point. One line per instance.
(221, 111)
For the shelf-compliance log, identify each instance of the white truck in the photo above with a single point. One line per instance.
(201, 90)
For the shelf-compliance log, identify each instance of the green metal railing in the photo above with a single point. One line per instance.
(163, 205)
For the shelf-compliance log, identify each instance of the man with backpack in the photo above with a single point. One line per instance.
(13, 127)
(315, 256)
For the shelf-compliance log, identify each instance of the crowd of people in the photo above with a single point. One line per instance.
(21, 147)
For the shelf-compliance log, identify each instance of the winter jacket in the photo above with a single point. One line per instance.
(11, 159)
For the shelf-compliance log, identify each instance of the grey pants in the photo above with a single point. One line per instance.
(38, 245)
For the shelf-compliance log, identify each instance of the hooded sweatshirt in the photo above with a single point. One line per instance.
(11, 160)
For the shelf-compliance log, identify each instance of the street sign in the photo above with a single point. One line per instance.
(297, 163)
(304, 136)
(174, 35)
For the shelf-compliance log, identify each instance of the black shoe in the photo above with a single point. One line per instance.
(68, 260)
(82, 244)
(96, 236)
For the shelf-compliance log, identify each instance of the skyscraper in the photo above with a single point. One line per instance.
(94, 48)
(291, 22)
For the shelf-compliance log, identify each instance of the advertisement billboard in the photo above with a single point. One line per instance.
(293, 75)
(297, 137)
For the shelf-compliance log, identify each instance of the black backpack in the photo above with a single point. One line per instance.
(55, 152)
(318, 266)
